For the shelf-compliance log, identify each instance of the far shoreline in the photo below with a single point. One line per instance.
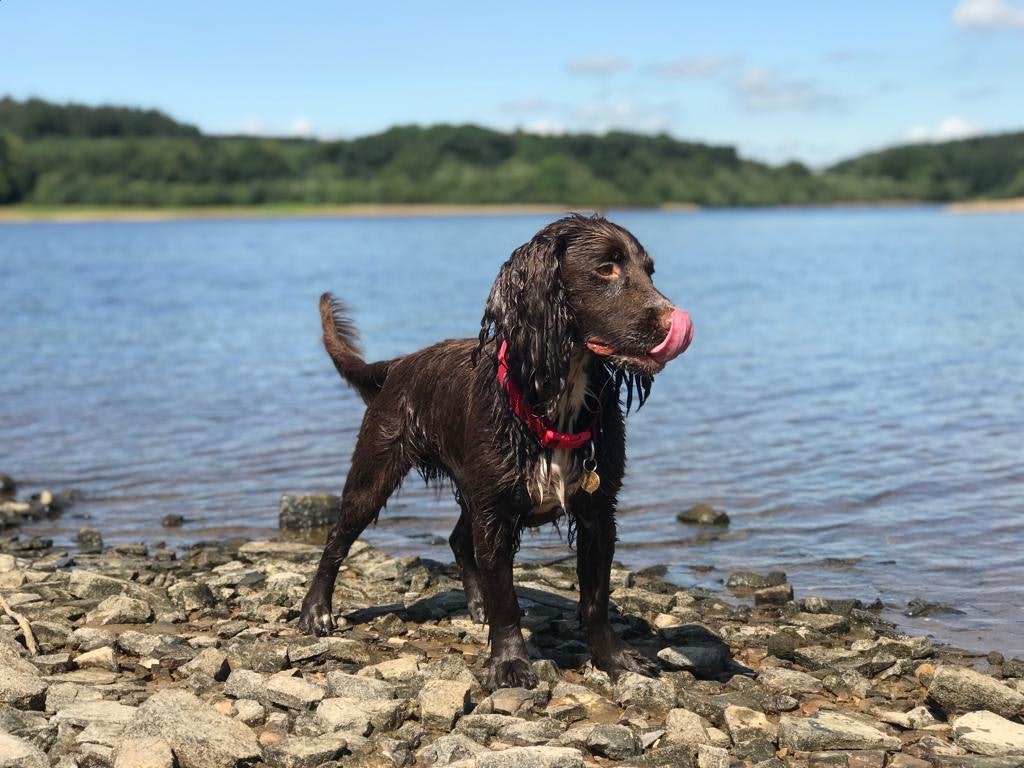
(72, 214)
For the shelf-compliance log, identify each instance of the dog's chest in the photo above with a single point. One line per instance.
(554, 484)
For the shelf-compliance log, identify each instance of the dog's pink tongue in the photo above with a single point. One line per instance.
(678, 338)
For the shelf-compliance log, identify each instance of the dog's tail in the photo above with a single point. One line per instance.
(341, 340)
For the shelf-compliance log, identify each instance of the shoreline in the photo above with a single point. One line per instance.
(192, 658)
(71, 214)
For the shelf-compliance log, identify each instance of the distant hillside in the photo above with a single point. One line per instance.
(71, 154)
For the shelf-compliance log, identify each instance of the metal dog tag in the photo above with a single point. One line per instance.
(590, 481)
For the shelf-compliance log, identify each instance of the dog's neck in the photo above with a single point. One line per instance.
(577, 385)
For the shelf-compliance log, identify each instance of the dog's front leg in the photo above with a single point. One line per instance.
(494, 545)
(595, 548)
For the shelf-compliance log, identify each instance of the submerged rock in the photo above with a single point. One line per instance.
(315, 510)
(703, 514)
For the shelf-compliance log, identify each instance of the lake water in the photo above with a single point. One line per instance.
(854, 396)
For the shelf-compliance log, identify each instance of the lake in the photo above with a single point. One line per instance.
(853, 398)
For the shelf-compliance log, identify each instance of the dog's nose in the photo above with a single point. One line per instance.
(665, 320)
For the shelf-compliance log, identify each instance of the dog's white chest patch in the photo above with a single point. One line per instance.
(554, 484)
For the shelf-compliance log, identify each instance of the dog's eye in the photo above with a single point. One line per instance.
(609, 270)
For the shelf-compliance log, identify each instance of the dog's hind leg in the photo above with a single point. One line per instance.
(378, 466)
(461, 541)
(494, 546)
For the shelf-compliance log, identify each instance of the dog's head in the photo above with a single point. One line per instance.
(581, 283)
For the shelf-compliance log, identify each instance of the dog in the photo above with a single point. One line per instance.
(526, 421)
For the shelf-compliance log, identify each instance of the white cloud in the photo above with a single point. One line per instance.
(601, 117)
(988, 13)
(545, 127)
(301, 127)
(253, 126)
(596, 65)
(761, 90)
(695, 66)
(529, 104)
(948, 129)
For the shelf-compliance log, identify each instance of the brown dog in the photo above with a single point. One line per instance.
(526, 421)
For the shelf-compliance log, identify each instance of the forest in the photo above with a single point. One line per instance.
(72, 154)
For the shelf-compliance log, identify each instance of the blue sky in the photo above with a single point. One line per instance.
(815, 81)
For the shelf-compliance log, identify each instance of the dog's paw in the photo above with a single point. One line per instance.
(626, 659)
(510, 673)
(317, 619)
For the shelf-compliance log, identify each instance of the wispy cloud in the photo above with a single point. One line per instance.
(529, 104)
(604, 116)
(545, 127)
(602, 65)
(948, 129)
(761, 90)
(988, 13)
(695, 67)
(301, 127)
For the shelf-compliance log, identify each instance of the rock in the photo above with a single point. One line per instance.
(442, 702)
(21, 690)
(209, 661)
(246, 684)
(359, 716)
(644, 692)
(172, 520)
(306, 752)
(789, 681)
(346, 686)
(8, 487)
(685, 727)
(862, 758)
(249, 711)
(100, 658)
(957, 689)
(143, 752)
(912, 720)
(509, 701)
(191, 596)
(703, 661)
(920, 607)
(616, 742)
(293, 692)
(200, 736)
(315, 510)
(63, 695)
(752, 735)
(989, 734)
(449, 749)
(527, 757)
(703, 514)
(90, 541)
(19, 753)
(777, 595)
(281, 550)
(748, 580)
(831, 730)
(712, 757)
(120, 609)
(83, 713)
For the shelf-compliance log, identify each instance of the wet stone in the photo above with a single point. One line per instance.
(703, 514)
(316, 510)
(90, 541)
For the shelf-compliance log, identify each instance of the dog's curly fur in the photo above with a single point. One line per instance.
(442, 412)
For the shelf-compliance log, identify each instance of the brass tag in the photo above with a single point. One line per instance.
(590, 481)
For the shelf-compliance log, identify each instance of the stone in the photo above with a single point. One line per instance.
(789, 681)
(748, 580)
(249, 711)
(293, 692)
(685, 727)
(191, 595)
(100, 658)
(246, 684)
(827, 730)
(986, 733)
(62, 695)
(293, 551)
(632, 689)
(957, 689)
(712, 757)
(143, 752)
(777, 595)
(442, 702)
(402, 669)
(200, 736)
(209, 661)
(703, 514)
(315, 510)
(449, 749)
(509, 701)
(120, 609)
(90, 541)
(702, 660)
(753, 737)
(21, 690)
(172, 520)
(361, 717)
(19, 753)
(306, 752)
(346, 686)
(528, 757)
(616, 742)
(82, 713)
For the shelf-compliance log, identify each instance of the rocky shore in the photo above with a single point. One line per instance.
(135, 656)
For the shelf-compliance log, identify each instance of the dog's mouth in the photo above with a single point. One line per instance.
(651, 361)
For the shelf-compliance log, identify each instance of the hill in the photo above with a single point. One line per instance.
(72, 154)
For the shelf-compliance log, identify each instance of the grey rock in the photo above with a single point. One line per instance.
(753, 737)
(281, 550)
(644, 692)
(989, 734)
(616, 742)
(957, 689)
(789, 681)
(143, 752)
(90, 541)
(209, 661)
(360, 716)
(62, 695)
(19, 753)
(200, 736)
(306, 752)
(442, 702)
(82, 713)
(293, 692)
(712, 757)
(191, 595)
(246, 684)
(120, 609)
(98, 658)
(249, 711)
(21, 690)
(529, 757)
(685, 727)
(172, 520)
(702, 660)
(831, 730)
(346, 686)
(777, 595)
(748, 580)
(703, 514)
(311, 511)
(449, 749)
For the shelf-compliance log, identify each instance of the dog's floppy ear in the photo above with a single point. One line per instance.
(528, 309)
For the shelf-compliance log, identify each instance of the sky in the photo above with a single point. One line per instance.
(812, 81)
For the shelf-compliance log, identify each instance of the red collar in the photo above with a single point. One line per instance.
(546, 434)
